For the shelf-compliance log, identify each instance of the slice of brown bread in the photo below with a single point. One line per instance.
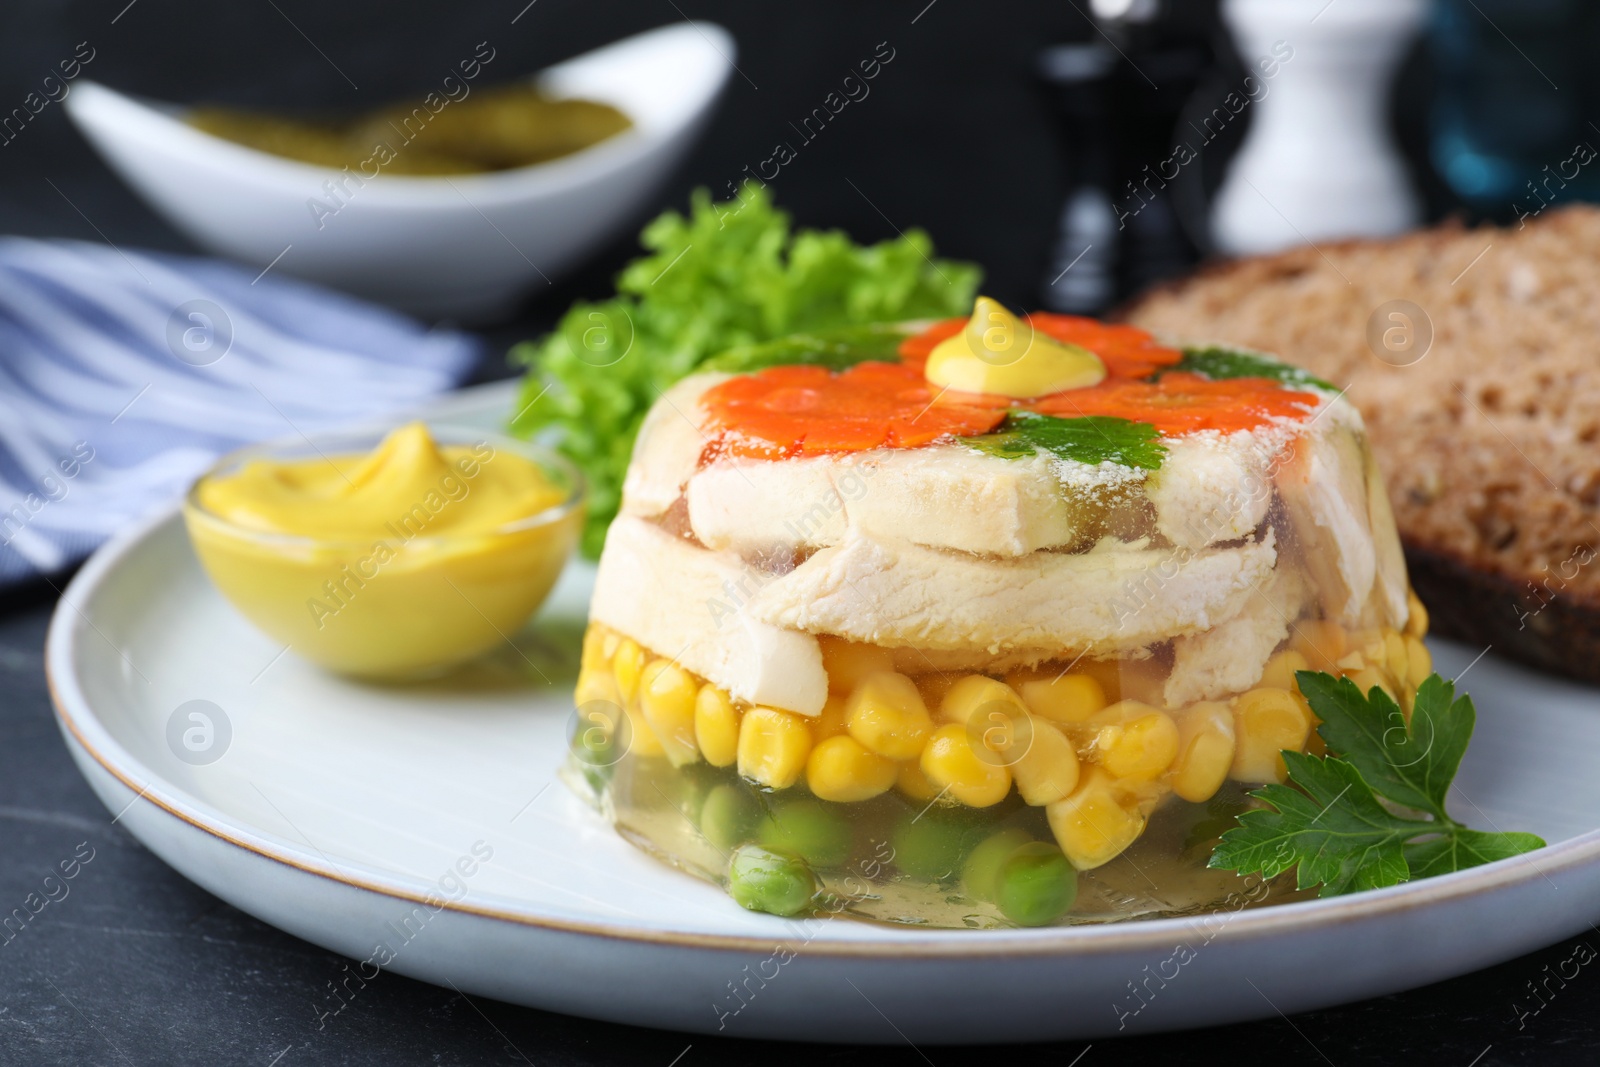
(1490, 442)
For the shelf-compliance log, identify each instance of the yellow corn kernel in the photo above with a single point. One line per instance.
(716, 726)
(1321, 642)
(910, 780)
(1141, 798)
(841, 769)
(1419, 662)
(1368, 677)
(1351, 662)
(596, 683)
(950, 762)
(982, 698)
(1120, 714)
(773, 746)
(1139, 750)
(848, 663)
(626, 665)
(1205, 750)
(1107, 672)
(1396, 654)
(1417, 617)
(1048, 770)
(642, 740)
(886, 714)
(1280, 670)
(1069, 698)
(609, 643)
(667, 695)
(1265, 722)
(1093, 826)
(999, 733)
(594, 642)
(1371, 644)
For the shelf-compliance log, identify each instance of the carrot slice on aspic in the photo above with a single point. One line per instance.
(1127, 351)
(803, 410)
(1179, 403)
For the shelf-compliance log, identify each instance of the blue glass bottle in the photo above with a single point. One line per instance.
(1517, 84)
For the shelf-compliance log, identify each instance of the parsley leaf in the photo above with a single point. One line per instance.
(1410, 765)
(835, 349)
(1216, 362)
(1466, 848)
(1334, 828)
(1335, 832)
(1091, 439)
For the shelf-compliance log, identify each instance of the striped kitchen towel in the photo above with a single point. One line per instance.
(123, 374)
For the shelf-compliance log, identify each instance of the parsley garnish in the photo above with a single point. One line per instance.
(1334, 829)
(1216, 363)
(835, 349)
(1091, 439)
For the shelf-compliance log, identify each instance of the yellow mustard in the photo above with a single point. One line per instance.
(410, 558)
(999, 353)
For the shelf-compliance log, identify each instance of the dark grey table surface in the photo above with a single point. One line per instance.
(136, 965)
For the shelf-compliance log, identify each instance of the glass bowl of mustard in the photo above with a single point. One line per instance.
(388, 556)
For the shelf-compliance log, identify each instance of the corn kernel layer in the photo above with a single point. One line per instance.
(1092, 746)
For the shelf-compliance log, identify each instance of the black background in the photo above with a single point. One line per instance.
(956, 135)
(139, 966)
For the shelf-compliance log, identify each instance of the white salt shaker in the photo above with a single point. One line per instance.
(1318, 162)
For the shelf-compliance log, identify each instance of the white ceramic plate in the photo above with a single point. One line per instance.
(467, 245)
(346, 815)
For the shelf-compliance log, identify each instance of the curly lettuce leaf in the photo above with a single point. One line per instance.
(727, 275)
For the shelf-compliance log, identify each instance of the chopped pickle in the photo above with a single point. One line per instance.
(484, 130)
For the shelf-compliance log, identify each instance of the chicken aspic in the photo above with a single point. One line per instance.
(982, 622)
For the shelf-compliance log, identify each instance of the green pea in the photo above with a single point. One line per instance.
(929, 848)
(599, 735)
(980, 874)
(691, 787)
(1036, 885)
(728, 817)
(762, 880)
(811, 829)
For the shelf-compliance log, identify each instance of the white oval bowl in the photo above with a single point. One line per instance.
(463, 246)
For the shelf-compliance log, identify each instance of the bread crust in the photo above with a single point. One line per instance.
(1489, 442)
(1488, 610)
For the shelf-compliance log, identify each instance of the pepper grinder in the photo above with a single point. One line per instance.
(1117, 100)
(1317, 161)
